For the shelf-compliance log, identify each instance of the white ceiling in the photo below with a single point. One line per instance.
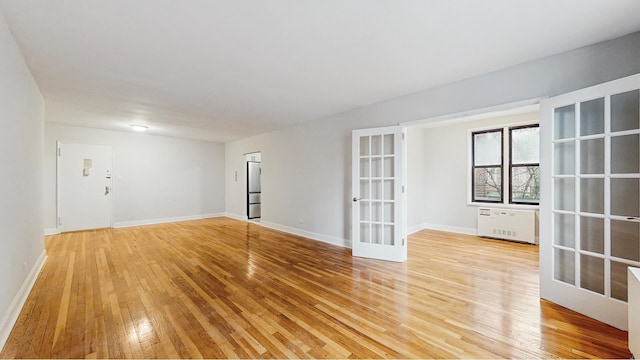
(221, 70)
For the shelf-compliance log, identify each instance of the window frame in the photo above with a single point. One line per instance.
(511, 165)
(474, 167)
(506, 166)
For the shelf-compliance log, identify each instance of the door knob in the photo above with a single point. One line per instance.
(355, 199)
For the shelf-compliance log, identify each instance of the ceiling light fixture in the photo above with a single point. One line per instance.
(139, 128)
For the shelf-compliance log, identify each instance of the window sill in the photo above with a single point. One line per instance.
(504, 206)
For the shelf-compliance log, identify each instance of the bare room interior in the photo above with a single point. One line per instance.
(320, 179)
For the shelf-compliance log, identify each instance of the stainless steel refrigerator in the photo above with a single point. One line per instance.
(253, 189)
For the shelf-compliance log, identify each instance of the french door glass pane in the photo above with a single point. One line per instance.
(376, 234)
(564, 194)
(625, 111)
(376, 190)
(592, 273)
(487, 184)
(564, 122)
(365, 210)
(625, 239)
(564, 229)
(592, 156)
(619, 281)
(592, 117)
(376, 167)
(564, 158)
(388, 144)
(592, 234)
(388, 166)
(388, 190)
(389, 233)
(625, 195)
(564, 266)
(376, 145)
(365, 233)
(364, 146)
(376, 211)
(365, 190)
(625, 152)
(364, 168)
(388, 212)
(592, 195)
(487, 148)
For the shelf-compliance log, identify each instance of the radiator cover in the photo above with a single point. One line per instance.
(507, 224)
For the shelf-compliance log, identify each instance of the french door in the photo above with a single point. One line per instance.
(378, 212)
(590, 203)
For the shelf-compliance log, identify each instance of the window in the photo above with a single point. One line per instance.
(516, 168)
(487, 166)
(524, 165)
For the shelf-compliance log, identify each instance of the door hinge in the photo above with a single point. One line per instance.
(59, 152)
(402, 242)
(403, 189)
(402, 136)
(59, 220)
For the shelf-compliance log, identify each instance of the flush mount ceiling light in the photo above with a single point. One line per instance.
(139, 128)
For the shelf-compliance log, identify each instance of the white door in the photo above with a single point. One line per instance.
(590, 200)
(84, 187)
(378, 216)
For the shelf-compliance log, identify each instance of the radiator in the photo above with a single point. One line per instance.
(633, 282)
(515, 225)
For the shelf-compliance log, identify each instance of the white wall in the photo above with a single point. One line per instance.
(307, 168)
(416, 172)
(21, 216)
(446, 182)
(155, 178)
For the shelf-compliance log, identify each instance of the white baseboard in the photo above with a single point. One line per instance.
(308, 234)
(51, 231)
(123, 224)
(10, 317)
(236, 216)
(415, 229)
(453, 229)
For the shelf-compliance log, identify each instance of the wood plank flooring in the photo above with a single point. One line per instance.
(220, 288)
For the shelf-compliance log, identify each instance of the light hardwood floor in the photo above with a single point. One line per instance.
(220, 288)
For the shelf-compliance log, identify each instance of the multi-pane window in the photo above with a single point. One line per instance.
(510, 175)
(524, 165)
(487, 166)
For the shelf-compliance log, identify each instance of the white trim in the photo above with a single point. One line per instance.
(475, 114)
(414, 229)
(10, 317)
(453, 229)
(51, 231)
(308, 234)
(236, 216)
(123, 224)
(504, 206)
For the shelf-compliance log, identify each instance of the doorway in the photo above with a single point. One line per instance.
(84, 187)
(254, 185)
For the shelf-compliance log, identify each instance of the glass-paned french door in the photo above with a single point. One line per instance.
(378, 223)
(590, 209)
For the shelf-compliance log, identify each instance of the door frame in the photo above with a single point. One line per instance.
(111, 191)
(246, 158)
